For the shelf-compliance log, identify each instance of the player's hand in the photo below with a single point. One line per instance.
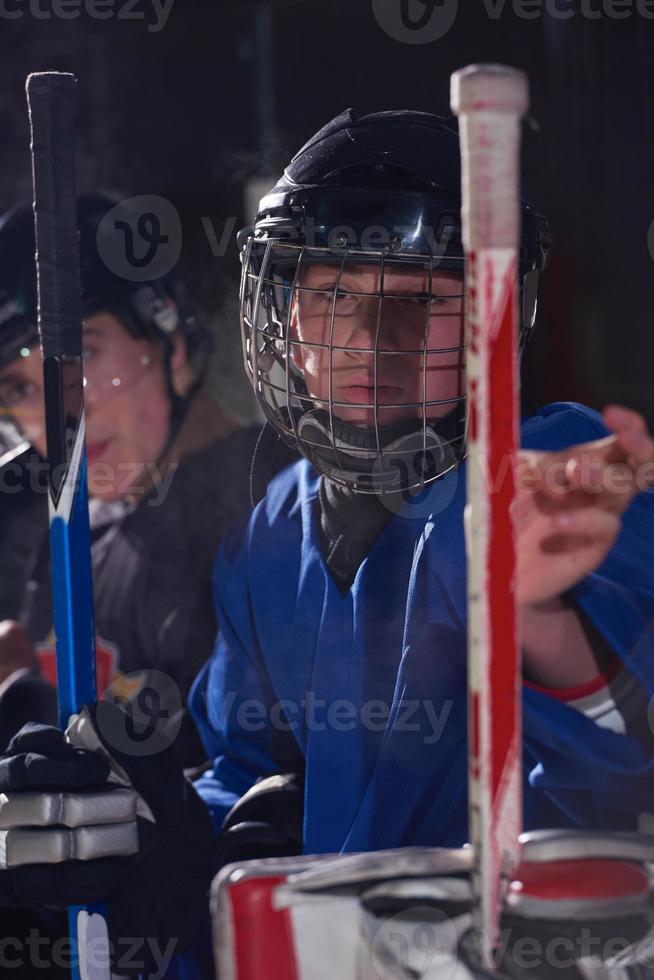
(134, 832)
(15, 649)
(570, 504)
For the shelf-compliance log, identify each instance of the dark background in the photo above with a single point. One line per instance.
(228, 90)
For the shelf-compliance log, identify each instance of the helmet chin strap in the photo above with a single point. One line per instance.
(409, 457)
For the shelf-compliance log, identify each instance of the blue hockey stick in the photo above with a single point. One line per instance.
(51, 102)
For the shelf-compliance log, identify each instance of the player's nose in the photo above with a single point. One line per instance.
(373, 328)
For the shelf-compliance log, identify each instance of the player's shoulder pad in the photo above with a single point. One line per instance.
(562, 424)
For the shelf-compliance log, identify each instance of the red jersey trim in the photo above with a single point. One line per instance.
(582, 690)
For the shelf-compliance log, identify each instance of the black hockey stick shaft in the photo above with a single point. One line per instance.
(51, 102)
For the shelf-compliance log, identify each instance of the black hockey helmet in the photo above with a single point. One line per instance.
(383, 190)
(154, 309)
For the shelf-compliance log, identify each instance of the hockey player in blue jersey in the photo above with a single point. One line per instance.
(341, 656)
(342, 649)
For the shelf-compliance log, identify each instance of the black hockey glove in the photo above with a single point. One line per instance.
(139, 836)
(266, 822)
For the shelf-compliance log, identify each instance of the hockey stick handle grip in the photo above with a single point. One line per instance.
(51, 102)
(490, 101)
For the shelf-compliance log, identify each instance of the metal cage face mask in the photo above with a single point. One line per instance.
(353, 334)
(358, 357)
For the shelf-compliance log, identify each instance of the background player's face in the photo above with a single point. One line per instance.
(405, 375)
(127, 403)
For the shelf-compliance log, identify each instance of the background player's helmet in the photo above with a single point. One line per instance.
(154, 309)
(382, 190)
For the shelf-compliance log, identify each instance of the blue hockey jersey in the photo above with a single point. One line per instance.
(367, 691)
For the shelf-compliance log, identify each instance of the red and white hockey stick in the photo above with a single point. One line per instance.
(490, 101)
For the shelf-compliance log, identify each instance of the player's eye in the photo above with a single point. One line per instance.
(88, 353)
(445, 299)
(421, 299)
(346, 302)
(16, 393)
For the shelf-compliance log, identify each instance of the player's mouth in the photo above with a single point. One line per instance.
(96, 450)
(364, 394)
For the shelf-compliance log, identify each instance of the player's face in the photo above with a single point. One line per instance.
(417, 344)
(127, 404)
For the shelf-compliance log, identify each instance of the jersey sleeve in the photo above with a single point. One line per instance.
(599, 777)
(233, 700)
